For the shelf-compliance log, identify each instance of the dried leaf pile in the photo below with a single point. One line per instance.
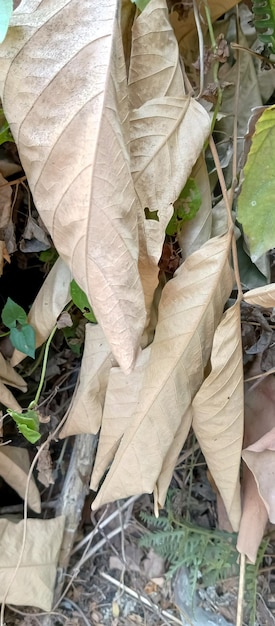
(105, 108)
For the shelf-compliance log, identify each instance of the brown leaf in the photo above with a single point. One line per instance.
(262, 296)
(81, 181)
(196, 294)
(218, 412)
(35, 580)
(14, 468)
(85, 414)
(5, 202)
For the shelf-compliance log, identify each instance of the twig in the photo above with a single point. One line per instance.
(78, 609)
(105, 522)
(239, 619)
(140, 598)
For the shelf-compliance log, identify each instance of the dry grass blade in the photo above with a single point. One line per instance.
(218, 413)
(190, 309)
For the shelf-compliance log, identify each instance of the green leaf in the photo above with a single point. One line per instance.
(6, 9)
(141, 4)
(151, 215)
(27, 424)
(185, 207)
(256, 200)
(80, 300)
(23, 339)
(12, 314)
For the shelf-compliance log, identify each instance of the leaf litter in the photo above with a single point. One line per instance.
(166, 396)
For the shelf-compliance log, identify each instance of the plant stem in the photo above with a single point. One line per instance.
(34, 403)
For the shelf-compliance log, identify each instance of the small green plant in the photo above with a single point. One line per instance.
(28, 421)
(185, 207)
(264, 22)
(208, 553)
(21, 333)
(5, 133)
(80, 300)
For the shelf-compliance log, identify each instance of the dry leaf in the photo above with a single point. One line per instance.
(260, 459)
(198, 230)
(8, 376)
(262, 296)
(162, 119)
(85, 414)
(35, 580)
(218, 412)
(190, 309)
(259, 420)
(5, 202)
(14, 468)
(48, 304)
(44, 467)
(76, 157)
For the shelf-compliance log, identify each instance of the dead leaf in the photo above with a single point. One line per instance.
(198, 230)
(78, 164)
(14, 468)
(153, 566)
(5, 202)
(34, 238)
(262, 296)
(85, 414)
(35, 580)
(218, 412)
(44, 467)
(48, 304)
(174, 371)
(8, 376)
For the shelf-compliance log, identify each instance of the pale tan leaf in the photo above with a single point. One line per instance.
(162, 119)
(190, 309)
(259, 420)
(14, 468)
(85, 414)
(170, 460)
(197, 231)
(8, 399)
(9, 376)
(48, 304)
(77, 157)
(121, 400)
(35, 580)
(260, 458)
(262, 296)
(218, 413)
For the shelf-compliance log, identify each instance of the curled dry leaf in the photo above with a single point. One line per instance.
(218, 413)
(85, 414)
(8, 376)
(262, 296)
(48, 304)
(198, 230)
(14, 468)
(77, 158)
(259, 421)
(260, 458)
(196, 295)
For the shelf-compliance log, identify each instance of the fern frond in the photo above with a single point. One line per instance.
(264, 21)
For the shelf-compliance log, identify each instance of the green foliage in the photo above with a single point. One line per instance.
(256, 200)
(49, 256)
(251, 581)
(22, 335)
(27, 423)
(209, 553)
(141, 4)
(264, 21)
(185, 207)
(80, 300)
(151, 215)
(6, 9)
(5, 133)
